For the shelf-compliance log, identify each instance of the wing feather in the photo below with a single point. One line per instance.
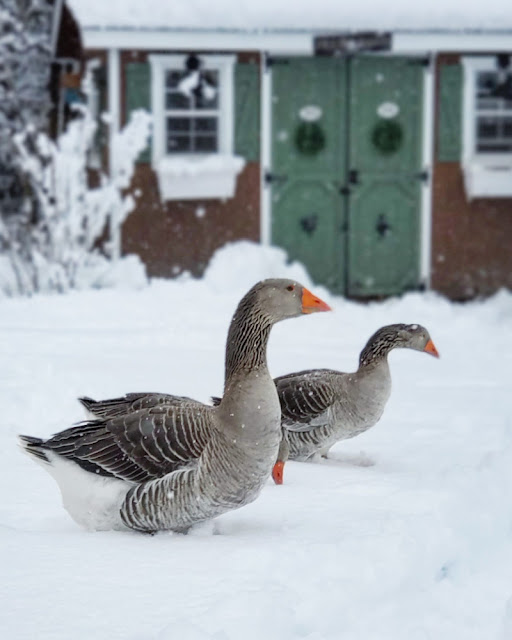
(141, 445)
(130, 403)
(305, 398)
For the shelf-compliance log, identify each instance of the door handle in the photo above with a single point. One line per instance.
(382, 227)
(353, 176)
(309, 223)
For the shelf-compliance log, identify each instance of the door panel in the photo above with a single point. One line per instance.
(384, 91)
(307, 209)
(385, 158)
(306, 225)
(383, 232)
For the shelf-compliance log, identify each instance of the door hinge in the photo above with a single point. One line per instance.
(423, 176)
(423, 61)
(345, 191)
(271, 178)
(271, 61)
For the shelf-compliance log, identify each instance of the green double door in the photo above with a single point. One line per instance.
(346, 170)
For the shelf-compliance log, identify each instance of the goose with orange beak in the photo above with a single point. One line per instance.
(320, 407)
(153, 462)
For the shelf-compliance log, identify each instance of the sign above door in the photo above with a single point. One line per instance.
(347, 43)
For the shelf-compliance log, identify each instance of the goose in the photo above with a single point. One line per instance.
(320, 407)
(171, 465)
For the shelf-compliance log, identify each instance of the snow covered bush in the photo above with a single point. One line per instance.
(50, 231)
(59, 250)
(62, 251)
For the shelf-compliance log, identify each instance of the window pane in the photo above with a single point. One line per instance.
(487, 128)
(208, 96)
(206, 144)
(205, 124)
(177, 100)
(488, 103)
(486, 83)
(494, 91)
(494, 135)
(179, 124)
(206, 100)
(173, 78)
(178, 144)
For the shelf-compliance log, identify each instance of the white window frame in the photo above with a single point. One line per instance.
(183, 176)
(485, 174)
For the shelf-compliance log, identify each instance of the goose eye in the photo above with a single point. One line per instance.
(290, 287)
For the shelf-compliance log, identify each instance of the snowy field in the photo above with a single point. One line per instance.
(405, 535)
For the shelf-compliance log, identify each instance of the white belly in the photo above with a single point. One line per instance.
(93, 501)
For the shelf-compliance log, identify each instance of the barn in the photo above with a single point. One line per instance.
(373, 143)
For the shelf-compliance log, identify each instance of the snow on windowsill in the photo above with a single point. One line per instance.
(488, 180)
(199, 177)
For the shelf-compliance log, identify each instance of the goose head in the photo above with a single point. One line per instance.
(278, 298)
(414, 336)
(408, 336)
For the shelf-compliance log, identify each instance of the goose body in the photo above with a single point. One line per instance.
(171, 461)
(321, 407)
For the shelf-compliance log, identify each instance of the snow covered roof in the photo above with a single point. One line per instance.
(294, 15)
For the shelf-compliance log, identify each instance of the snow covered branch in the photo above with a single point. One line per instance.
(59, 240)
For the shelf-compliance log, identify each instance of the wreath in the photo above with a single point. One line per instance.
(309, 138)
(387, 136)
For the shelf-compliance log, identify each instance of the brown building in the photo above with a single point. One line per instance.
(382, 161)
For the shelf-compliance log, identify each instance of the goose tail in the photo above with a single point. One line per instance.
(34, 447)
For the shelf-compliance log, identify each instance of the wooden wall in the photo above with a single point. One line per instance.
(176, 236)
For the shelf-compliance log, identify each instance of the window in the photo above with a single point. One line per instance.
(487, 143)
(192, 113)
(493, 112)
(192, 104)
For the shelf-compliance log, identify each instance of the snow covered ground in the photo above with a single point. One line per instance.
(406, 534)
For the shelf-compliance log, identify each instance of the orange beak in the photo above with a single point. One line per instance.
(311, 303)
(278, 472)
(430, 348)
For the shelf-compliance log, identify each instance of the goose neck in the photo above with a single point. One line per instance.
(374, 354)
(246, 347)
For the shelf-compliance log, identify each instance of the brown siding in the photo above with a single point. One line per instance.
(471, 241)
(176, 236)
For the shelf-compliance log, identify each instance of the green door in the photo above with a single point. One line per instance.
(308, 165)
(385, 174)
(346, 162)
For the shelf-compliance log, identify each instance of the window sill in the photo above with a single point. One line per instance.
(199, 177)
(488, 180)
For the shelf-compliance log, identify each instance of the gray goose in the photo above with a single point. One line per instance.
(321, 407)
(170, 465)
